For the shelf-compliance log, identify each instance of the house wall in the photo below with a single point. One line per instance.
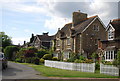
(37, 43)
(90, 38)
(111, 43)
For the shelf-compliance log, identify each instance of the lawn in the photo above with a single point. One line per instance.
(54, 72)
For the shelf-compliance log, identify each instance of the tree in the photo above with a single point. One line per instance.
(10, 52)
(116, 62)
(5, 40)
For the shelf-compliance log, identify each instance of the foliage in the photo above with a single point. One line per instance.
(55, 58)
(6, 40)
(73, 57)
(41, 60)
(88, 61)
(35, 60)
(83, 61)
(33, 49)
(107, 62)
(41, 53)
(10, 51)
(20, 53)
(18, 60)
(116, 62)
(29, 53)
(97, 66)
(82, 57)
(79, 61)
(28, 60)
(47, 57)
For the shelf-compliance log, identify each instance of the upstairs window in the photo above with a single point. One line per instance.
(96, 27)
(58, 42)
(110, 34)
(68, 41)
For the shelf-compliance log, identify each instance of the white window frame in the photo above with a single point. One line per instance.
(110, 55)
(111, 33)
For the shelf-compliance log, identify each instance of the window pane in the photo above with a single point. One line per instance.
(111, 54)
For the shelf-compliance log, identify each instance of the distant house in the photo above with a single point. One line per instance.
(81, 36)
(112, 44)
(43, 41)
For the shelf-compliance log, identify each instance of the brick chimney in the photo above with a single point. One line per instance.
(78, 17)
(46, 33)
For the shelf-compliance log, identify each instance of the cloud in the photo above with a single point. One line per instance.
(55, 22)
(19, 40)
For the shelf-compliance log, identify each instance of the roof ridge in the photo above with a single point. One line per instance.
(116, 19)
(89, 17)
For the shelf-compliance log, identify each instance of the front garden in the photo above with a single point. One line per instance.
(54, 72)
(34, 56)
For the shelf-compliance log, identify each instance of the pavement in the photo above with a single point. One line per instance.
(19, 71)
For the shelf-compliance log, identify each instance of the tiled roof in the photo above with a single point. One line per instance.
(80, 27)
(45, 37)
(116, 24)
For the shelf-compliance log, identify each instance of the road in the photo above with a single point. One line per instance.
(19, 71)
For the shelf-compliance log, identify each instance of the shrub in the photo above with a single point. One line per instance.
(116, 62)
(107, 62)
(97, 66)
(29, 53)
(33, 49)
(47, 57)
(77, 61)
(28, 60)
(55, 58)
(88, 61)
(73, 57)
(41, 53)
(35, 60)
(18, 60)
(10, 52)
(82, 57)
(41, 60)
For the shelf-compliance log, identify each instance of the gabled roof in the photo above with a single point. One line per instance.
(116, 24)
(45, 37)
(80, 27)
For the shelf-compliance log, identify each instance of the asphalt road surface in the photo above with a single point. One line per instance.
(18, 71)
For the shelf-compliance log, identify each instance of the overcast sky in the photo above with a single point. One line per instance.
(21, 18)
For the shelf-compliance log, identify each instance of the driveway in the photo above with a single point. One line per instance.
(19, 71)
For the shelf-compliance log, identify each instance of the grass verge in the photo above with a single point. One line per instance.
(54, 72)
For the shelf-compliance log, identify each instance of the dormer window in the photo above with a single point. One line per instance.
(111, 34)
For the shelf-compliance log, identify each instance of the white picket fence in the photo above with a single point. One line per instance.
(109, 69)
(84, 67)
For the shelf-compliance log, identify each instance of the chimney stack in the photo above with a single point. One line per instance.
(24, 42)
(45, 33)
(78, 17)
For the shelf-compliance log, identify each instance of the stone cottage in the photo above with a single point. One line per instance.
(81, 36)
